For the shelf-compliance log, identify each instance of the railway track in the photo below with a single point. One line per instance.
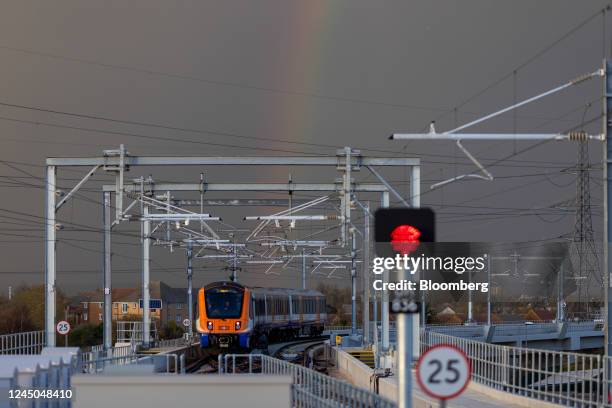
(300, 351)
(297, 352)
(207, 364)
(311, 361)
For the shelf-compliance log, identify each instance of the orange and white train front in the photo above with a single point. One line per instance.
(224, 316)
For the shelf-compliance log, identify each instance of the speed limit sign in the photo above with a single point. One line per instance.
(444, 371)
(63, 327)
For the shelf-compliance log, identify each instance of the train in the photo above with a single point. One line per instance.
(231, 315)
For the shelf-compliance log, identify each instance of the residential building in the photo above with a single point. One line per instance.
(127, 304)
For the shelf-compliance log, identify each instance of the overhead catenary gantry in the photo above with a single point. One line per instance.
(154, 207)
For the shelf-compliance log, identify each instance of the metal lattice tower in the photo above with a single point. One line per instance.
(584, 256)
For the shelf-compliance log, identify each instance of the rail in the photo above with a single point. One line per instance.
(22, 343)
(310, 389)
(565, 378)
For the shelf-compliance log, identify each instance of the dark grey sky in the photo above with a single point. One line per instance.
(323, 72)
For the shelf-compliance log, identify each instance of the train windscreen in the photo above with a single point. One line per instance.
(223, 303)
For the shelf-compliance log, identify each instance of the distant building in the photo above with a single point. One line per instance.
(127, 304)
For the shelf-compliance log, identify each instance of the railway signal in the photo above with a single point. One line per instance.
(403, 228)
(401, 231)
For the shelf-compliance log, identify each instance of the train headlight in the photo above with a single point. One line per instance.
(209, 325)
(237, 325)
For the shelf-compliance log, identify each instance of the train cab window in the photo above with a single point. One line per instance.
(224, 302)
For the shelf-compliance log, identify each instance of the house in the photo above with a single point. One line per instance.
(127, 304)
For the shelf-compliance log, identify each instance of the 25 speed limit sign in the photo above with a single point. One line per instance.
(444, 371)
(62, 327)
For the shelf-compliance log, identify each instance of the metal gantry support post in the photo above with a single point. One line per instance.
(119, 183)
(346, 197)
(50, 272)
(353, 234)
(607, 128)
(108, 302)
(190, 288)
(408, 329)
(489, 291)
(404, 349)
(415, 201)
(384, 302)
(303, 269)
(146, 263)
(375, 331)
(470, 316)
(423, 304)
(365, 271)
(560, 294)
(234, 262)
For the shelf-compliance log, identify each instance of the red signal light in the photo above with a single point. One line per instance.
(405, 239)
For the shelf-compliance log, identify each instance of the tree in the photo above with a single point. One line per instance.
(86, 335)
(171, 331)
(335, 298)
(26, 311)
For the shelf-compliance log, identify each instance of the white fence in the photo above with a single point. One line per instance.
(569, 379)
(22, 343)
(118, 355)
(310, 389)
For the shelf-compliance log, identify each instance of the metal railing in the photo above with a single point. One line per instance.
(22, 343)
(165, 363)
(310, 389)
(97, 353)
(338, 328)
(131, 331)
(565, 378)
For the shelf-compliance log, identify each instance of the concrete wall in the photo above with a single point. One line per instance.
(156, 391)
(359, 374)
(353, 370)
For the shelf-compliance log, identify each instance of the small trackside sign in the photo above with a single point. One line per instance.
(444, 371)
(62, 327)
